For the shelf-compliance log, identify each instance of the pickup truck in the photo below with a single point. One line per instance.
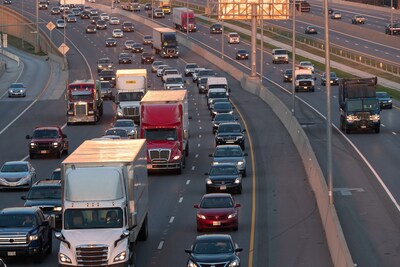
(25, 231)
(392, 29)
(47, 140)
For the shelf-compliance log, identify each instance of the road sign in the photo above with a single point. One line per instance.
(63, 48)
(50, 26)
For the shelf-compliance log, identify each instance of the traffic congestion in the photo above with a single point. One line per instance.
(155, 144)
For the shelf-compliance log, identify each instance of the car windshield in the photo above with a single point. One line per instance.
(104, 61)
(147, 37)
(43, 134)
(216, 202)
(16, 85)
(288, 71)
(303, 77)
(213, 247)
(93, 218)
(206, 73)
(45, 192)
(307, 64)
(230, 128)
(161, 134)
(14, 168)
(233, 35)
(223, 170)
(126, 123)
(107, 73)
(217, 95)
(17, 221)
(280, 52)
(191, 66)
(174, 80)
(228, 152)
(130, 96)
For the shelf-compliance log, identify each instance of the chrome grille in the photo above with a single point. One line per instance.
(159, 155)
(13, 240)
(305, 83)
(230, 138)
(131, 111)
(44, 146)
(363, 115)
(224, 264)
(92, 255)
(80, 109)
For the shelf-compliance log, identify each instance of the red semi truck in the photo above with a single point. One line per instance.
(183, 18)
(84, 103)
(164, 123)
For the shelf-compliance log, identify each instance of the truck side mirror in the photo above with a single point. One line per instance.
(64, 136)
(28, 136)
(210, 155)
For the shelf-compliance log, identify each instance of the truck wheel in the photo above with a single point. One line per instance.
(50, 245)
(31, 155)
(59, 153)
(144, 230)
(132, 255)
(101, 110)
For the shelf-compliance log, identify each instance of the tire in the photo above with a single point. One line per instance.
(132, 255)
(341, 125)
(243, 146)
(239, 190)
(244, 173)
(50, 245)
(144, 230)
(208, 190)
(58, 154)
(31, 155)
(377, 130)
(347, 130)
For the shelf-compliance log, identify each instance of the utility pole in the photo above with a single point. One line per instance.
(37, 48)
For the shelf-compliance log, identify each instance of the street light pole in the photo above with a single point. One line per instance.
(293, 55)
(23, 27)
(391, 17)
(37, 48)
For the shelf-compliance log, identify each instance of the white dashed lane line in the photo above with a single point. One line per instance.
(180, 200)
(188, 182)
(193, 168)
(171, 220)
(160, 245)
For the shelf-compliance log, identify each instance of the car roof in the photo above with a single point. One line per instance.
(19, 210)
(16, 162)
(214, 237)
(217, 195)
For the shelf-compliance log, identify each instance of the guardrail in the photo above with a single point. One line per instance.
(339, 51)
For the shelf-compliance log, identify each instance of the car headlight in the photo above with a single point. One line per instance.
(208, 181)
(237, 181)
(232, 215)
(91, 112)
(375, 117)
(55, 144)
(240, 163)
(33, 237)
(57, 209)
(230, 112)
(64, 258)
(234, 263)
(33, 145)
(177, 157)
(120, 257)
(201, 216)
(351, 118)
(390, 100)
(191, 264)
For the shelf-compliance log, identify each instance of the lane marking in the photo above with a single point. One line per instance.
(188, 182)
(171, 220)
(160, 245)
(193, 167)
(180, 199)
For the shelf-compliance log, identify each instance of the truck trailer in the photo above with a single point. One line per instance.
(164, 123)
(165, 42)
(105, 203)
(72, 3)
(184, 19)
(358, 104)
(131, 86)
(84, 102)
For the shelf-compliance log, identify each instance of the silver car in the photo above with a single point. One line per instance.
(17, 174)
(17, 89)
(127, 125)
(230, 154)
(189, 68)
(155, 65)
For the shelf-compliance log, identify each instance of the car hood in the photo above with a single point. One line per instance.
(15, 231)
(43, 203)
(223, 177)
(228, 159)
(212, 258)
(44, 140)
(216, 211)
(13, 175)
(229, 134)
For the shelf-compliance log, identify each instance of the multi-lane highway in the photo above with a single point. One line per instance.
(279, 222)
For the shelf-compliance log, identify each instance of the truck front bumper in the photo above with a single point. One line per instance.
(84, 118)
(16, 251)
(122, 264)
(363, 124)
(163, 166)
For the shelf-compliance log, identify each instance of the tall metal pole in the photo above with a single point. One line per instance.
(37, 48)
(391, 17)
(253, 40)
(222, 40)
(262, 50)
(23, 27)
(328, 107)
(293, 56)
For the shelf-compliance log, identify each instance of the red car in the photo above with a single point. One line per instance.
(217, 211)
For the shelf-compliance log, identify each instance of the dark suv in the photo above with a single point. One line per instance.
(104, 64)
(230, 133)
(47, 140)
(46, 194)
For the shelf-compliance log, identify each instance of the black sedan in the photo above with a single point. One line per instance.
(7, 2)
(111, 42)
(242, 54)
(147, 57)
(230, 133)
(385, 100)
(221, 107)
(224, 177)
(216, 28)
(334, 79)
(213, 250)
(311, 30)
(137, 48)
(125, 58)
(287, 75)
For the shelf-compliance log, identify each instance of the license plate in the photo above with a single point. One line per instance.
(363, 126)
(230, 142)
(11, 253)
(216, 223)
(305, 87)
(222, 187)
(43, 152)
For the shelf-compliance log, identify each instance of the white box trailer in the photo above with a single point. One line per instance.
(72, 2)
(105, 203)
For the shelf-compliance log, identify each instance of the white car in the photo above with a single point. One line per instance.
(233, 38)
(114, 21)
(128, 44)
(104, 16)
(174, 82)
(307, 65)
(17, 174)
(60, 24)
(117, 33)
(336, 15)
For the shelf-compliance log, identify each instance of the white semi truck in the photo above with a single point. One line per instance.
(131, 86)
(72, 2)
(105, 203)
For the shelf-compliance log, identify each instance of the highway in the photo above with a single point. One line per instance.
(285, 214)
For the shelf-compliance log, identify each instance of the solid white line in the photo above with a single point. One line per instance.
(172, 219)
(193, 167)
(180, 199)
(188, 182)
(160, 245)
(196, 156)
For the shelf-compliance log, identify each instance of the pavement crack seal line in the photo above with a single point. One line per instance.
(31, 104)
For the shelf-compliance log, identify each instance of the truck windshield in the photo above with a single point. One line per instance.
(130, 96)
(363, 105)
(160, 134)
(93, 218)
(304, 77)
(81, 95)
(217, 95)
